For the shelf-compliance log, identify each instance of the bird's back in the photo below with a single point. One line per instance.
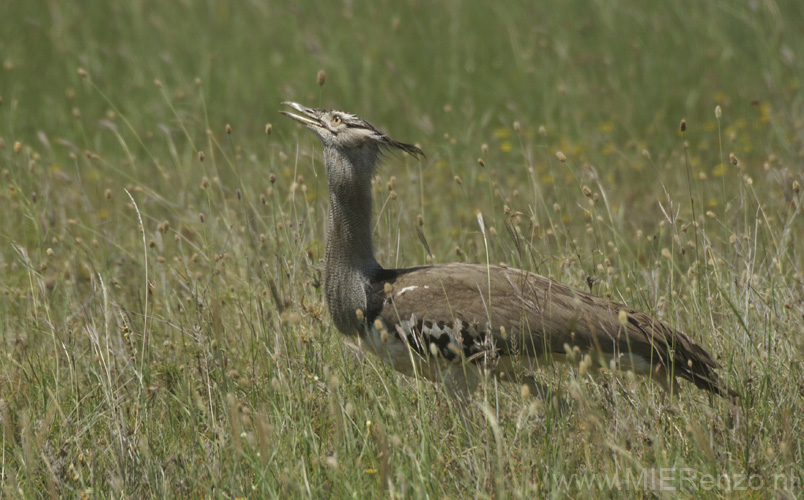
(456, 314)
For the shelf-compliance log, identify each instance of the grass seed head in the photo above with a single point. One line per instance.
(718, 112)
(82, 72)
(158, 83)
(228, 129)
(268, 128)
(561, 156)
(683, 126)
(583, 367)
(320, 78)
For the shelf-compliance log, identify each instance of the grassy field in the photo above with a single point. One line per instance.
(162, 326)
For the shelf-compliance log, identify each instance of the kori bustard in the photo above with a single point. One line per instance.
(450, 322)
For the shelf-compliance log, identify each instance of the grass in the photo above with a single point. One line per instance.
(163, 327)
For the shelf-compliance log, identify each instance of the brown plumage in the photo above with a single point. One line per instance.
(541, 318)
(449, 321)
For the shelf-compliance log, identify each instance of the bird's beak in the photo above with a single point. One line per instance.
(310, 117)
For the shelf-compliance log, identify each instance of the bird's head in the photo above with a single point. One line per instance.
(345, 132)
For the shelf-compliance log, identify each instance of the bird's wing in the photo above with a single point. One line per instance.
(478, 312)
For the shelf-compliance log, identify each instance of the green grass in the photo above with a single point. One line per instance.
(162, 322)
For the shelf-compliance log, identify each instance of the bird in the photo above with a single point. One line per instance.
(455, 323)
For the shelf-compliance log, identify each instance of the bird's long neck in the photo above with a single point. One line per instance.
(350, 261)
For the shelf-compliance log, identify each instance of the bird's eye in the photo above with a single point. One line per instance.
(336, 120)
